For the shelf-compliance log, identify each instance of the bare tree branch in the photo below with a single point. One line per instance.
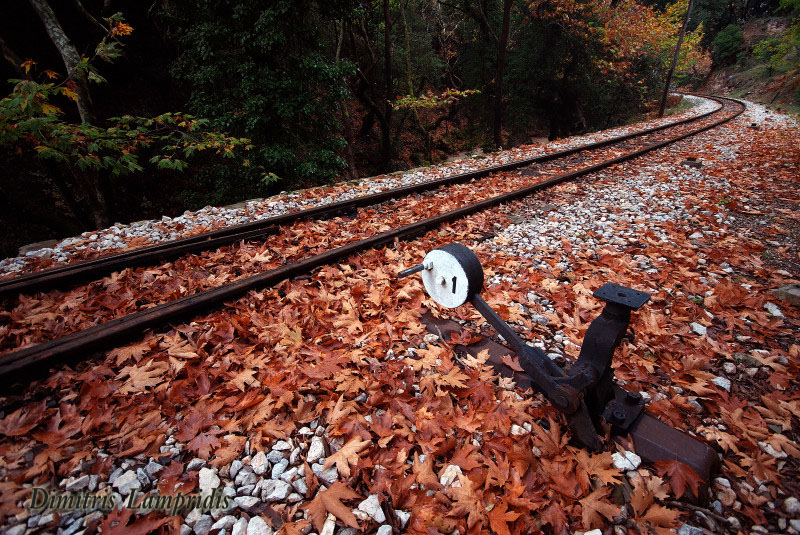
(13, 59)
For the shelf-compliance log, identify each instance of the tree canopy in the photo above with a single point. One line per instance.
(104, 103)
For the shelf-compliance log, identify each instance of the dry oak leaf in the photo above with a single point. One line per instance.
(594, 505)
(512, 362)
(330, 501)
(681, 476)
(142, 377)
(554, 515)
(600, 465)
(645, 491)
(135, 351)
(425, 474)
(245, 379)
(477, 361)
(117, 523)
(466, 503)
(661, 518)
(22, 420)
(499, 517)
(347, 456)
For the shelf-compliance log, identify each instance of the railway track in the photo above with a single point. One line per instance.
(295, 251)
(63, 276)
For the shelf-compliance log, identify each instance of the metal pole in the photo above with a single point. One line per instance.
(674, 60)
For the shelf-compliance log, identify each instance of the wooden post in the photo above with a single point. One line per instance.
(674, 60)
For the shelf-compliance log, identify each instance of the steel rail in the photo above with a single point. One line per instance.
(92, 269)
(94, 338)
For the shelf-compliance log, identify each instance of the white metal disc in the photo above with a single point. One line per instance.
(446, 282)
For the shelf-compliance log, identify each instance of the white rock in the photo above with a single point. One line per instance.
(240, 527)
(274, 456)
(403, 517)
(316, 451)
(259, 463)
(773, 309)
(279, 468)
(329, 476)
(386, 529)
(372, 508)
(152, 469)
(236, 465)
(193, 516)
(792, 505)
(688, 529)
(247, 503)
(209, 480)
(257, 526)
(329, 526)
(767, 448)
(628, 461)
(449, 475)
(281, 445)
(275, 490)
(226, 522)
(246, 477)
(195, 464)
(19, 529)
(698, 329)
(76, 484)
(300, 485)
(203, 525)
(722, 382)
(127, 482)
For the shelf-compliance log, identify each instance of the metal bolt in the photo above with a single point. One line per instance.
(617, 416)
(632, 397)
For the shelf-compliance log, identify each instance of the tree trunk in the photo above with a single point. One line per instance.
(674, 60)
(347, 129)
(91, 181)
(502, 48)
(70, 57)
(426, 136)
(386, 124)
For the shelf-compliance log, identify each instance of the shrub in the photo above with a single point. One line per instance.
(726, 44)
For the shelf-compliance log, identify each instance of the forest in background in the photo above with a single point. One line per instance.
(122, 110)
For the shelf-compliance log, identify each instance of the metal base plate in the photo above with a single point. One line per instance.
(622, 295)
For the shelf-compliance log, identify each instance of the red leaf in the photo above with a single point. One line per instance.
(680, 476)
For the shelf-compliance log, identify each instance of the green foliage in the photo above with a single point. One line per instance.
(258, 69)
(783, 51)
(28, 118)
(426, 101)
(726, 44)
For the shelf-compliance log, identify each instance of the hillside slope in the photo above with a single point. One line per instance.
(753, 77)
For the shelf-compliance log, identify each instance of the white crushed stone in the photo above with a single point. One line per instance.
(628, 461)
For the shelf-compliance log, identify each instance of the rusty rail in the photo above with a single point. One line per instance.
(36, 358)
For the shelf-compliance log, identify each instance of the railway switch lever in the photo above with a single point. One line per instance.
(585, 393)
